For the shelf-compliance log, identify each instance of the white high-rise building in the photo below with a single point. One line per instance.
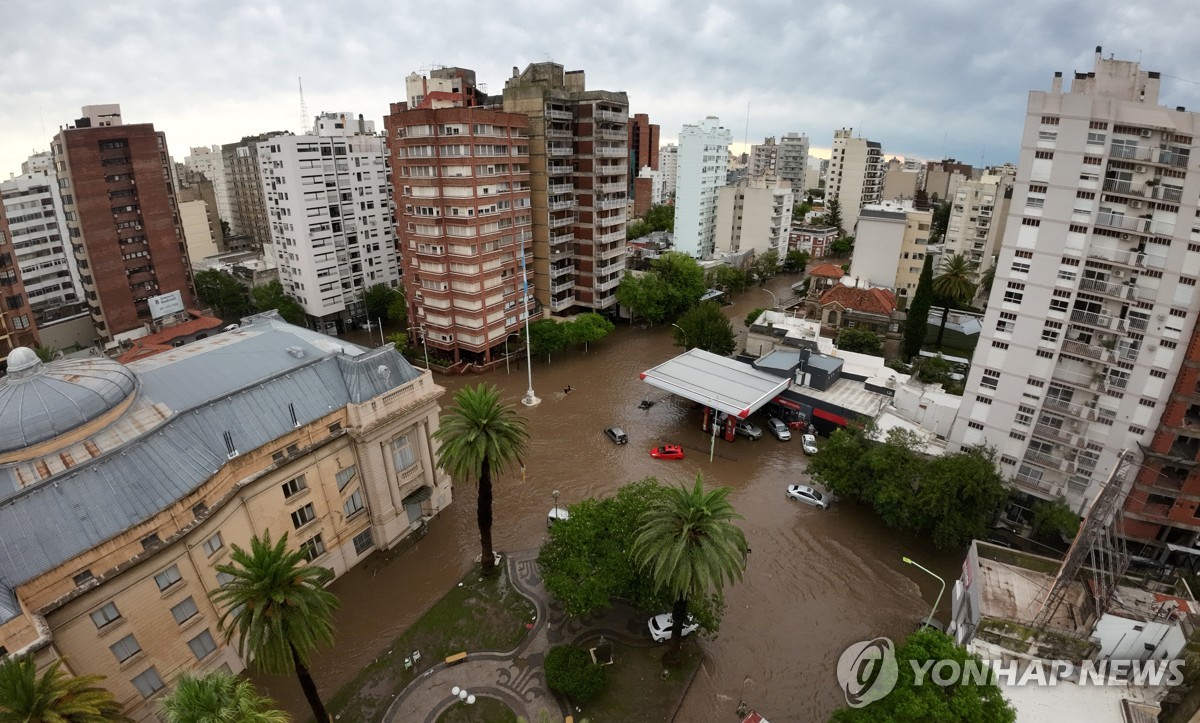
(209, 162)
(703, 158)
(855, 175)
(1094, 299)
(764, 159)
(668, 167)
(40, 242)
(978, 214)
(328, 197)
(792, 162)
(755, 215)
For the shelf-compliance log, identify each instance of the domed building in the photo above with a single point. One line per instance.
(123, 486)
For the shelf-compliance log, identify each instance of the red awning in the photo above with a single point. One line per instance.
(787, 403)
(830, 416)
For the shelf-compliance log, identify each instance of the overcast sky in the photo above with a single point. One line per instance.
(925, 79)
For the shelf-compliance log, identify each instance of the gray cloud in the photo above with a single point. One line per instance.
(922, 78)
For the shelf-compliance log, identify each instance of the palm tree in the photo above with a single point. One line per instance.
(218, 698)
(53, 696)
(278, 608)
(478, 436)
(689, 544)
(955, 284)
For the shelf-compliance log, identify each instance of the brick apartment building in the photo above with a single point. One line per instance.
(122, 219)
(16, 319)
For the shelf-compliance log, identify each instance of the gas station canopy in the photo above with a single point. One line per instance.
(728, 385)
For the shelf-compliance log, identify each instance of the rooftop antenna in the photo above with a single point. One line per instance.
(303, 108)
(746, 135)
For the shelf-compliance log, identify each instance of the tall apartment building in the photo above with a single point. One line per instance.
(210, 162)
(668, 166)
(244, 188)
(755, 215)
(328, 197)
(122, 219)
(1087, 327)
(38, 230)
(703, 159)
(890, 248)
(942, 176)
(978, 216)
(17, 326)
(855, 175)
(643, 144)
(198, 214)
(579, 182)
(764, 159)
(792, 162)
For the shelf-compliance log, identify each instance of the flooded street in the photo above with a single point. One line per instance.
(816, 580)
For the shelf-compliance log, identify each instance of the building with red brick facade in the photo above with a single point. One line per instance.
(17, 327)
(643, 144)
(122, 219)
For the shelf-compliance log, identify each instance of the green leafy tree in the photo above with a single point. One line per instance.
(858, 339)
(398, 309)
(691, 547)
(728, 278)
(399, 339)
(570, 671)
(226, 230)
(939, 222)
(833, 215)
(1053, 521)
(683, 279)
(802, 209)
(933, 369)
(963, 702)
(661, 218)
(637, 229)
(753, 316)
(916, 324)
(960, 495)
(479, 436)
(277, 607)
(796, 261)
(218, 698)
(955, 284)
(547, 336)
(705, 327)
(842, 247)
(645, 295)
(378, 300)
(222, 292)
(45, 353)
(986, 279)
(765, 266)
(53, 696)
(589, 327)
(271, 296)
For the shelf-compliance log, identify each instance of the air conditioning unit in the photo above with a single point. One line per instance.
(1162, 317)
(1152, 347)
(1140, 169)
(1118, 273)
(1135, 204)
(1124, 237)
(1146, 133)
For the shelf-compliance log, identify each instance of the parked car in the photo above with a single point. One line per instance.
(779, 429)
(808, 495)
(617, 435)
(748, 430)
(667, 451)
(932, 624)
(660, 627)
(810, 443)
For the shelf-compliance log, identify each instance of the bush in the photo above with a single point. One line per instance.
(570, 671)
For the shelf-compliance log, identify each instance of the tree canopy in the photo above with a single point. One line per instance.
(753, 316)
(916, 323)
(547, 336)
(658, 218)
(954, 284)
(223, 293)
(378, 301)
(53, 696)
(941, 219)
(1052, 521)
(728, 278)
(674, 283)
(860, 340)
(833, 215)
(765, 266)
(645, 295)
(796, 261)
(706, 327)
(271, 296)
(587, 328)
(216, 697)
(963, 702)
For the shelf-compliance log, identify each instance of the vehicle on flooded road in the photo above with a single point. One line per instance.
(667, 451)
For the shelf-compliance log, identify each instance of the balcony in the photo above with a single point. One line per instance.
(561, 271)
(1091, 351)
(611, 203)
(561, 286)
(605, 254)
(1048, 461)
(1174, 195)
(559, 169)
(613, 220)
(611, 188)
(611, 237)
(1129, 152)
(612, 283)
(611, 117)
(1123, 223)
(560, 188)
(1105, 288)
(1125, 188)
(559, 151)
(1055, 434)
(1170, 158)
(562, 205)
(1100, 321)
(612, 135)
(558, 133)
(1081, 411)
(562, 304)
(610, 152)
(1076, 378)
(561, 238)
(561, 254)
(561, 222)
(563, 115)
(1117, 256)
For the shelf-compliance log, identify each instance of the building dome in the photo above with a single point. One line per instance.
(41, 401)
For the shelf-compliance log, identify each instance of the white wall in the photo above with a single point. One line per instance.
(1121, 640)
(877, 251)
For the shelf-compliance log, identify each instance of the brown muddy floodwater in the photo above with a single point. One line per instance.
(816, 581)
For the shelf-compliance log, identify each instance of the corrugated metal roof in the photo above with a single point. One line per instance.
(726, 384)
(242, 383)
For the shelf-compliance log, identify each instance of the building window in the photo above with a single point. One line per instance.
(1023, 419)
(1138, 431)
(1045, 354)
(224, 578)
(1059, 305)
(83, 578)
(1049, 334)
(303, 516)
(312, 549)
(344, 476)
(999, 345)
(363, 541)
(983, 400)
(106, 615)
(974, 425)
(403, 453)
(294, 486)
(1147, 403)
(1158, 373)
(1020, 267)
(1017, 436)
(212, 544)
(148, 683)
(168, 577)
(354, 504)
(184, 611)
(125, 648)
(202, 645)
(1013, 297)
(150, 541)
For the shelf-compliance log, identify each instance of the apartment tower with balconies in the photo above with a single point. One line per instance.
(855, 175)
(703, 159)
(1090, 317)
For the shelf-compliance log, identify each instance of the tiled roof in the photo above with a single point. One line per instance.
(828, 271)
(870, 301)
(162, 341)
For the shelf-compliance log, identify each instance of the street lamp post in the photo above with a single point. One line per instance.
(939, 579)
(530, 398)
(555, 496)
(506, 369)
(773, 299)
(681, 331)
(424, 346)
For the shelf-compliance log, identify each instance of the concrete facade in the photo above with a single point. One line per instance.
(1088, 323)
(978, 216)
(244, 189)
(17, 327)
(764, 159)
(855, 175)
(643, 144)
(890, 248)
(703, 158)
(668, 166)
(792, 162)
(754, 216)
(209, 162)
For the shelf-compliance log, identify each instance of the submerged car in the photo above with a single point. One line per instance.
(617, 435)
(779, 429)
(667, 451)
(660, 627)
(810, 443)
(748, 430)
(808, 495)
